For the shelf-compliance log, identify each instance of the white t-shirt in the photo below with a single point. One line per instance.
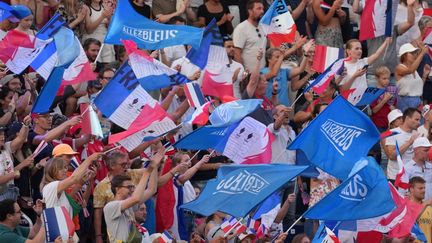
(351, 68)
(283, 137)
(6, 164)
(401, 138)
(249, 40)
(51, 198)
(422, 131)
(413, 169)
(236, 85)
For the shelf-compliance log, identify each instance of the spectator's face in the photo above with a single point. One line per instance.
(44, 121)
(417, 191)
(121, 166)
(355, 50)
(421, 153)
(14, 85)
(126, 189)
(257, 11)
(141, 213)
(275, 56)
(229, 47)
(62, 174)
(281, 112)
(7, 99)
(384, 79)
(92, 52)
(413, 122)
(16, 216)
(26, 22)
(262, 86)
(106, 77)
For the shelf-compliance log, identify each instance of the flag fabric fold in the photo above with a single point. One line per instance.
(342, 139)
(248, 186)
(402, 180)
(365, 194)
(278, 24)
(127, 24)
(325, 56)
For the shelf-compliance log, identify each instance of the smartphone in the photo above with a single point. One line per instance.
(365, 66)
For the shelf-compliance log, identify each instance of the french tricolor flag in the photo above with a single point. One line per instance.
(325, 56)
(376, 19)
(200, 115)
(165, 237)
(402, 180)
(278, 24)
(194, 94)
(18, 50)
(152, 73)
(90, 123)
(58, 223)
(323, 80)
(228, 224)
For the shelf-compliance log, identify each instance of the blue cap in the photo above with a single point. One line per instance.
(21, 11)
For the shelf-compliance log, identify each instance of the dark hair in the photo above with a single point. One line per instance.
(251, 4)
(137, 164)
(298, 238)
(316, 109)
(416, 180)
(6, 207)
(112, 158)
(176, 19)
(4, 91)
(90, 41)
(226, 38)
(117, 181)
(409, 112)
(106, 69)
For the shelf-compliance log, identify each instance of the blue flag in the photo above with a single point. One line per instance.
(231, 112)
(7, 12)
(364, 194)
(247, 186)
(199, 56)
(311, 171)
(418, 233)
(127, 24)
(342, 138)
(51, 27)
(370, 95)
(268, 205)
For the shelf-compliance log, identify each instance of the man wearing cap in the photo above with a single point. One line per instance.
(419, 166)
(407, 133)
(394, 118)
(427, 115)
(42, 131)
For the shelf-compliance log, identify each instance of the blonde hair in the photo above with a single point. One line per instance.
(177, 157)
(382, 70)
(348, 45)
(51, 170)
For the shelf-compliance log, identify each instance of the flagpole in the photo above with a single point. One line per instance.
(295, 101)
(233, 227)
(295, 222)
(111, 149)
(365, 108)
(99, 53)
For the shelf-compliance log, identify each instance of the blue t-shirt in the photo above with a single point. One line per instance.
(282, 79)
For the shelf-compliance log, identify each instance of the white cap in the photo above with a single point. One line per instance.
(421, 142)
(406, 48)
(425, 110)
(393, 115)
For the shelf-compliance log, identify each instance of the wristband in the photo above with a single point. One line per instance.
(273, 93)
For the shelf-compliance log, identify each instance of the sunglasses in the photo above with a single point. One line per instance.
(258, 32)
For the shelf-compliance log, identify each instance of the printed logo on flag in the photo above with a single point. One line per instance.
(355, 190)
(149, 35)
(340, 135)
(243, 182)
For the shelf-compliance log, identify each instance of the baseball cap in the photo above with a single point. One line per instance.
(393, 115)
(63, 149)
(425, 110)
(421, 142)
(36, 115)
(406, 48)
